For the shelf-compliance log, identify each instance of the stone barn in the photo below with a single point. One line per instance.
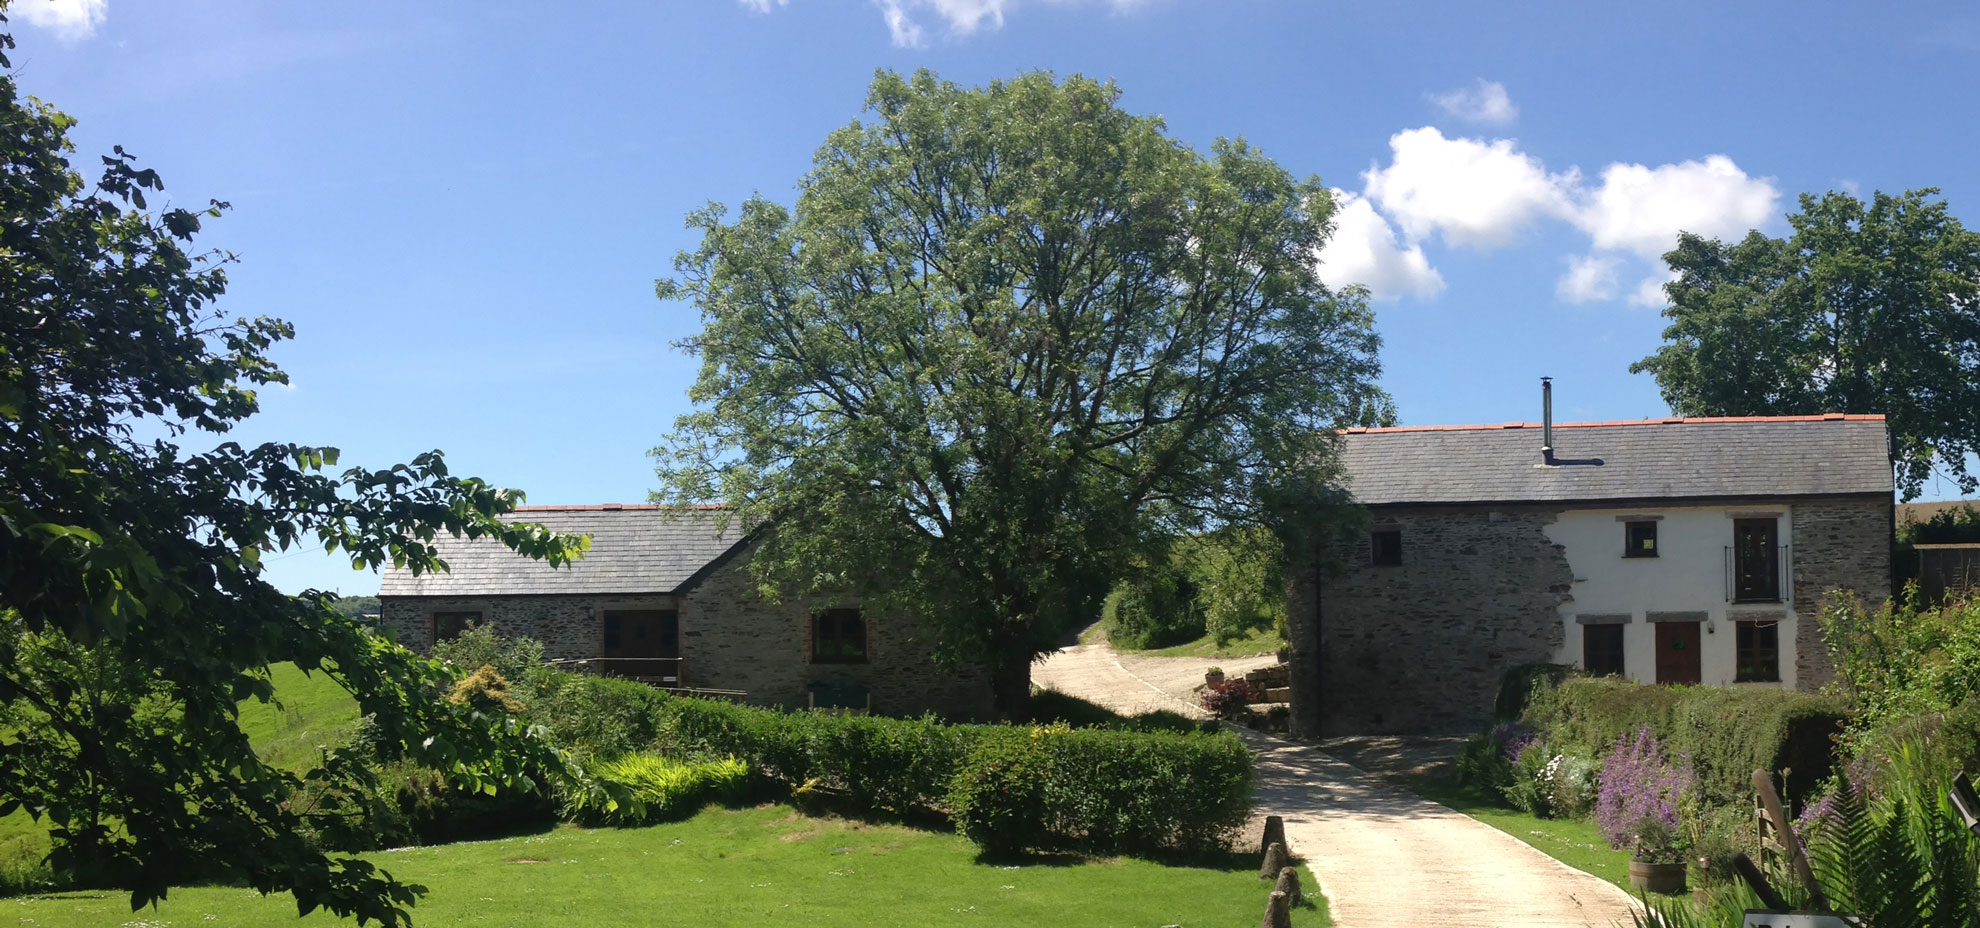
(1663, 550)
(665, 596)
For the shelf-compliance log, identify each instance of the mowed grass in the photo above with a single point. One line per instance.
(1574, 842)
(313, 713)
(769, 865)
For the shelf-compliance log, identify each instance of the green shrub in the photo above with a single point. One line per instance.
(1727, 732)
(1519, 684)
(1571, 785)
(594, 716)
(1031, 788)
(485, 690)
(1527, 791)
(639, 789)
(1156, 609)
(514, 658)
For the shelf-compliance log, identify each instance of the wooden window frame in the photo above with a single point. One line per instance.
(433, 622)
(1631, 539)
(1393, 557)
(1621, 650)
(1764, 664)
(820, 617)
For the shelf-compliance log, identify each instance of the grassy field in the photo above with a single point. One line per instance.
(1574, 842)
(1264, 642)
(763, 866)
(314, 712)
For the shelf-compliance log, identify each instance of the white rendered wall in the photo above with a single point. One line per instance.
(1687, 575)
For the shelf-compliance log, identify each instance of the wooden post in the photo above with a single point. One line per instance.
(1278, 914)
(1784, 832)
(1275, 833)
(1289, 884)
(1276, 860)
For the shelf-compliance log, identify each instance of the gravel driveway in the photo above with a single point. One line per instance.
(1383, 856)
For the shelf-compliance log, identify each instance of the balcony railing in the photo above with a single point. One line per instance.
(1783, 578)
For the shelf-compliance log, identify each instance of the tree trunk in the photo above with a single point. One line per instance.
(1010, 680)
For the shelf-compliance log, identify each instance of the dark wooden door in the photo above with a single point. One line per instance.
(1677, 652)
(1756, 561)
(643, 643)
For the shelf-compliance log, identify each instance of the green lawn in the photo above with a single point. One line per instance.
(761, 866)
(314, 713)
(1574, 842)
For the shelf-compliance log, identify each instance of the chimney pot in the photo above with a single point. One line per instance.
(1547, 420)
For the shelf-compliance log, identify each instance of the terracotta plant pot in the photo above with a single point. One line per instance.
(1657, 878)
(1213, 679)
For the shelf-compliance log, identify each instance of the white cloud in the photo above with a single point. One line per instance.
(1483, 102)
(1588, 278)
(964, 17)
(1641, 209)
(1363, 250)
(70, 20)
(1650, 291)
(1473, 192)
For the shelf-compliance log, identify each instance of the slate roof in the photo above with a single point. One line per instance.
(1651, 459)
(634, 549)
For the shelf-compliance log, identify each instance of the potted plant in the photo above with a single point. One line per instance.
(1658, 866)
(1641, 806)
(1214, 677)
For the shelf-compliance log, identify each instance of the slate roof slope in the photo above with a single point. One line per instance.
(1640, 460)
(634, 549)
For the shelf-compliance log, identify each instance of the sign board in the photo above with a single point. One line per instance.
(1756, 918)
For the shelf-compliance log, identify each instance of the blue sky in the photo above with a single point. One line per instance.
(463, 207)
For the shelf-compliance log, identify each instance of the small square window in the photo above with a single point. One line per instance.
(1759, 652)
(838, 636)
(1602, 650)
(1385, 547)
(1640, 539)
(450, 625)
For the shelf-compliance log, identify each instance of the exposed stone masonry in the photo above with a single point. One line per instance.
(730, 639)
(1420, 646)
(1838, 544)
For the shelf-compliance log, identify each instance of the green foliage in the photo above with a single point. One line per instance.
(1035, 788)
(1009, 341)
(1521, 682)
(1527, 791)
(1155, 608)
(485, 691)
(1865, 308)
(640, 789)
(135, 616)
(356, 606)
(516, 659)
(1898, 856)
(1727, 732)
(1904, 658)
(592, 716)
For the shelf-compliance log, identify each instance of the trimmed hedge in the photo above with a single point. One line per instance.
(1728, 732)
(1520, 681)
(1133, 786)
(1105, 791)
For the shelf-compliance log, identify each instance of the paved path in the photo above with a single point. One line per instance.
(1383, 856)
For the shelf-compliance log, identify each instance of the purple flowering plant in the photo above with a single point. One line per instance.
(1644, 799)
(1513, 738)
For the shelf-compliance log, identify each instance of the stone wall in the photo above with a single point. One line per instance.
(1420, 646)
(1837, 544)
(731, 634)
(730, 639)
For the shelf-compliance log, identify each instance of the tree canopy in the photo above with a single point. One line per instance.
(1865, 308)
(1010, 340)
(134, 615)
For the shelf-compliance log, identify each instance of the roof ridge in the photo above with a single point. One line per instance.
(1667, 420)
(616, 507)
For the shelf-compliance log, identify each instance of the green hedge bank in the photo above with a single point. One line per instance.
(1006, 787)
(1727, 731)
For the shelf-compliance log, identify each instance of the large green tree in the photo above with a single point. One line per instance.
(1010, 340)
(1865, 308)
(134, 615)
